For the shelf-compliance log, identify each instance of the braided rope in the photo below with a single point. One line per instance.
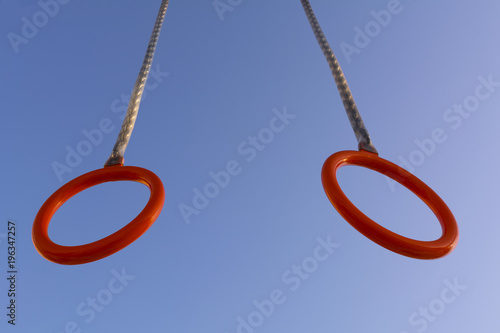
(360, 131)
(116, 156)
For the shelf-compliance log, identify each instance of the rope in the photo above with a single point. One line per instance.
(361, 133)
(116, 156)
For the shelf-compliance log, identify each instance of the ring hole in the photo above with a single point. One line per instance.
(97, 212)
(388, 203)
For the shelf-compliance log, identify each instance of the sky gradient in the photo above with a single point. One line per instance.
(241, 97)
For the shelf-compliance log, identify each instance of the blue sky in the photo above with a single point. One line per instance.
(268, 253)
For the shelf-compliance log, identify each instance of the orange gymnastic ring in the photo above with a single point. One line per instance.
(380, 235)
(74, 255)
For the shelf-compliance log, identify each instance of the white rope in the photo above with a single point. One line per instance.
(364, 141)
(116, 156)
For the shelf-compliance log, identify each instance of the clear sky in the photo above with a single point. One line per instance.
(268, 252)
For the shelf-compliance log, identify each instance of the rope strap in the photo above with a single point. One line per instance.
(360, 131)
(116, 156)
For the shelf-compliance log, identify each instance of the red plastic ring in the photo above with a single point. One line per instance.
(81, 254)
(378, 234)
